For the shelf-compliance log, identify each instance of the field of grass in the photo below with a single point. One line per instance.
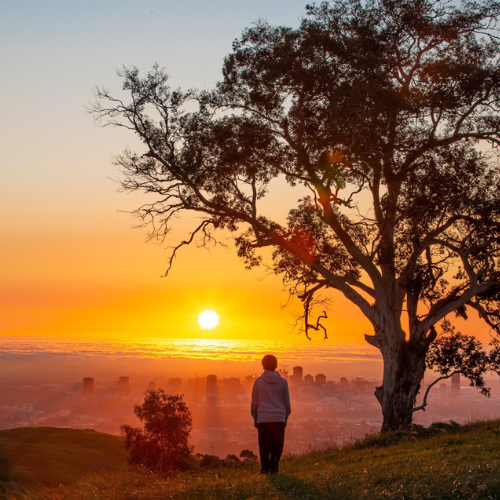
(452, 463)
(46, 456)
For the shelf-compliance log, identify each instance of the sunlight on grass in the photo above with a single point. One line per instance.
(456, 463)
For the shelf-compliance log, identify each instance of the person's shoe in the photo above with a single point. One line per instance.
(275, 465)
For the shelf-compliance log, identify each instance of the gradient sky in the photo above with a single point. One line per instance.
(70, 263)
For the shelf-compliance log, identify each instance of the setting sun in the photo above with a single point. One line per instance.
(208, 319)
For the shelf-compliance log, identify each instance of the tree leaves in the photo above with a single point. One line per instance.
(163, 442)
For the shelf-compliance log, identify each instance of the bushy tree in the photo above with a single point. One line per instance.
(456, 353)
(387, 111)
(163, 443)
(248, 456)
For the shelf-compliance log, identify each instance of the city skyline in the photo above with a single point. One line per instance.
(330, 413)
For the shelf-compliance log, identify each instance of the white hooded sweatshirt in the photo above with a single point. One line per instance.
(270, 398)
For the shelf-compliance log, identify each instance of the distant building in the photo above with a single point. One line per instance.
(360, 384)
(28, 408)
(344, 383)
(152, 385)
(88, 386)
(212, 390)
(195, 381)
(455, 384)
(174, 383)
(123, 382)
(123, 385)
(308, 379)
(232, 386)
(320, 379)
(197, 387)
(249, 381)
(76, 388)
(231, 382)
(298, 373)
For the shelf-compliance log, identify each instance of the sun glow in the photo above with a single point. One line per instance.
(208, 319)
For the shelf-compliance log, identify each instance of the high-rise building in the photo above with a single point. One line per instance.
(344, 383)
(174, 383)
(212, 390)
(298, 373)
(455, 384)
(283, 372)
(320, 379)
(152, 385)
(123, 382)
(88, 386)
(308, 379)
(197, 387)
(232, 387)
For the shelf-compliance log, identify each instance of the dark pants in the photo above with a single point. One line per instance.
(271, 440)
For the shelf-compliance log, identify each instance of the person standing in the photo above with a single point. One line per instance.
(270, 409)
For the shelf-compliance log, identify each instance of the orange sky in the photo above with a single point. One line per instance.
(106, 281)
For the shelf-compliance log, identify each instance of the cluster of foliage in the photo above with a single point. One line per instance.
(163, 444)
(456, 353)
(387, 112)
(214, 462)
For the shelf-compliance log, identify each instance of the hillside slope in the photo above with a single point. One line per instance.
(453, 462)
(52, 456)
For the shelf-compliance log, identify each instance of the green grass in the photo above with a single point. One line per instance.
(451, 463)
(45, 456)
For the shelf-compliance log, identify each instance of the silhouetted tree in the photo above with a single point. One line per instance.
(386, 111)
(248, 456)
(163, 443)
(455, 353)
(232, 460)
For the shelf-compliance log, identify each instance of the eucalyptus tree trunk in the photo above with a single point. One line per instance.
(404, 367)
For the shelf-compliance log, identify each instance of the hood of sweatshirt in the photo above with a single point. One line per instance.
(271, 377)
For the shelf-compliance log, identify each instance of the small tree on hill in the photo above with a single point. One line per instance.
(388, 113)
(162, 444)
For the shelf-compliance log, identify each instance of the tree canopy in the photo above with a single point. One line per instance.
(163, 443)
(387, 111)
(454, 353)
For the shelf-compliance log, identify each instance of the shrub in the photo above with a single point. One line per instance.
(162, 445)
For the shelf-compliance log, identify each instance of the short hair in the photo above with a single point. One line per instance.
(269, 362)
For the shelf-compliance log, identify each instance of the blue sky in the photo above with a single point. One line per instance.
(54, 53)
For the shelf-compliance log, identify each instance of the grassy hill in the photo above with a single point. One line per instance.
(449, 463)
(46, 456)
